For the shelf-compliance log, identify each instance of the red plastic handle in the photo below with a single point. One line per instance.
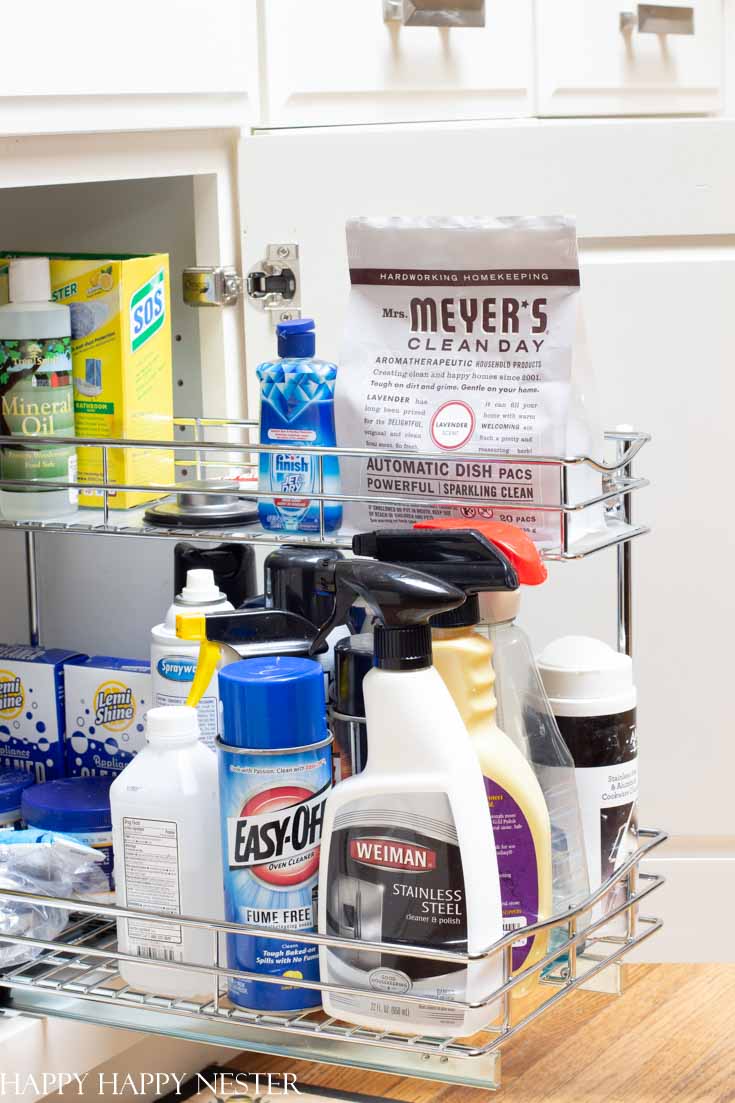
(512, 541)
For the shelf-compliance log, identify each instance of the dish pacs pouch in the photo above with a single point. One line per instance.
(463, 337)
(296, 411)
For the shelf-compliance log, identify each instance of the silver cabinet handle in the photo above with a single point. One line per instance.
(435, 13)
(658, 19)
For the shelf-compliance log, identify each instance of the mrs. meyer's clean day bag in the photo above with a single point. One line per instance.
(463, 338)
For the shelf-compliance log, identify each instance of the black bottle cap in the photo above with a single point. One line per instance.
(353, 659)
(290, 573)
(464, 616)
(403, 648)
(233, 566)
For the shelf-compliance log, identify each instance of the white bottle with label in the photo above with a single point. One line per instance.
(174, 661)
(591, 692)
(408, 855)
(165, 816)
(37, 393)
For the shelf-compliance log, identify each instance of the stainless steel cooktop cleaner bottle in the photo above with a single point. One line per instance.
(408, 855)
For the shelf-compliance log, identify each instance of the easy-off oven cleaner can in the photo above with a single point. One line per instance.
(275, 769)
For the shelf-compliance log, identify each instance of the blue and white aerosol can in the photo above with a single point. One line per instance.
(275, 771)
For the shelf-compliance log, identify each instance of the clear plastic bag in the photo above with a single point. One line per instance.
(45, 864)
(524, 714)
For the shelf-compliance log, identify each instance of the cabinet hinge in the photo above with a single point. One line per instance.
(273, 284)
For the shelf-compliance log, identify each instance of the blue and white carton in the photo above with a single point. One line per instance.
(106, 702)
(32, 708)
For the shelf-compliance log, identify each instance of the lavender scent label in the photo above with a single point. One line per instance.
(517, 867)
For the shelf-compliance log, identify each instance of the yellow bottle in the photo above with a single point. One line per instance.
(518, 809)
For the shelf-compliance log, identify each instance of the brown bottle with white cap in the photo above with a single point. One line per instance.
(590, 688)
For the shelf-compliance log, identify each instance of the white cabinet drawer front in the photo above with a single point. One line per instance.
(138, 48)
(588, 66)
(329, 63)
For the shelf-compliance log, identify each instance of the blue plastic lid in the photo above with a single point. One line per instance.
(12, 784)
(273, 703)
(296, 337)
(76, 804)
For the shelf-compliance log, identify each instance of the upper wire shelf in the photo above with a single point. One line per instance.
(237, 456)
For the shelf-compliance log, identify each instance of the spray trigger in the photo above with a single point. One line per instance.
(195, 628)
(328, 581)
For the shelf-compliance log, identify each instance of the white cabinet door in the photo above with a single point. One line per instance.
(588, 65)
(657, 227)
(139, 65)
(327, 63)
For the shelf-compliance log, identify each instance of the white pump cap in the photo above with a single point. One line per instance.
(200, 588)
(172, 724)
(583, 676)
(29, 280)
(199, 595)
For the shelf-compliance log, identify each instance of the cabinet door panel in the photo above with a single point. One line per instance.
(658, 248)
(64, 66)
(332, 63)
(587, 65)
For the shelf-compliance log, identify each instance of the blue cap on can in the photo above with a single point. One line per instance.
(273, 703)
(296, 337)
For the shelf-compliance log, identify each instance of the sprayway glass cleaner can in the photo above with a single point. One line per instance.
(275, 770)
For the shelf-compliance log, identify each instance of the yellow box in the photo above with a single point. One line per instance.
(122, 365)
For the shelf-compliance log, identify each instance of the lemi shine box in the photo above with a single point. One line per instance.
(106, 702)
(32, 708)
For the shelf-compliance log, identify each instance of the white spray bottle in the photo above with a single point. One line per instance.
(407, 854)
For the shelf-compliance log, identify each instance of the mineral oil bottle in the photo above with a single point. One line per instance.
(36, 395)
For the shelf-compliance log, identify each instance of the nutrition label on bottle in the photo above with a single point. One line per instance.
(151, 861)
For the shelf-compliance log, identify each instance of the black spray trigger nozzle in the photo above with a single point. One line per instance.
(327, 581)
(461, 557)
(403, 600)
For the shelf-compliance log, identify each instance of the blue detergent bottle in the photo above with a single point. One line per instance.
(297, 410)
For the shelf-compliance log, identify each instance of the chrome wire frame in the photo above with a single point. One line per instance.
(80, 969)
(83, 962)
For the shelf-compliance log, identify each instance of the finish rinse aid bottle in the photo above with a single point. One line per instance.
(297, 411)
(407, 854)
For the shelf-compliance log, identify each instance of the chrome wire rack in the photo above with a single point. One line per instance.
(78, 976)
(207, 448)
(238, 459)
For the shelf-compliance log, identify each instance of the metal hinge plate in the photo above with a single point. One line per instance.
(207, 286)
(273, 284)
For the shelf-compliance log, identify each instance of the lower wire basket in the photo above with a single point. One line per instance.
(77, 976)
